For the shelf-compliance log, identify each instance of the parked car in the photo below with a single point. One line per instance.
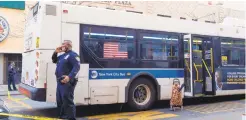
(3, 109)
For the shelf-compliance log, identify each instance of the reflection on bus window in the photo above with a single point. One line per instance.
(197, 44)
(158, 47)
(232, 52)
(109, 43)
(106, 33)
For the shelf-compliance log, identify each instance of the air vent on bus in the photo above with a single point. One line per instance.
(210, 21)
(110, 8)
(51, 10)
(92, 6)
(134, 11)
(194, 19)
(160, 15)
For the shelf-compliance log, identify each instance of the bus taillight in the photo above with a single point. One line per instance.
(27, 76)
(25, 92)
(37, 55)
(36, 63)
(65, 11)
(36, 74)
(45, 85)
(37, 66)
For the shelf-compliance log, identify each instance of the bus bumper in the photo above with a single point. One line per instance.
(37, 94)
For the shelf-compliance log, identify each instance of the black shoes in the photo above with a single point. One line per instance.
(12, 90)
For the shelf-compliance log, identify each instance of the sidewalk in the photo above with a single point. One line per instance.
(4, 90)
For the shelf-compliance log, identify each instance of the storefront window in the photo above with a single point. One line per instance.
(17, 59)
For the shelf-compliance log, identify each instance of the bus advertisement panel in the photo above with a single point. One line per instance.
(230, 78)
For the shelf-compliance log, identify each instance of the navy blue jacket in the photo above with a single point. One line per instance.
(11, 71)
(67, 64)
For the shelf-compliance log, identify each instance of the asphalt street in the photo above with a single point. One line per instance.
(210, 108)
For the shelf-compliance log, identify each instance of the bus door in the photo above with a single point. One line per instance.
(208, 66)
(198, 67)
(188, 81)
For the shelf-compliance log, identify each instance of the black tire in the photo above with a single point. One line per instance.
(141, 81)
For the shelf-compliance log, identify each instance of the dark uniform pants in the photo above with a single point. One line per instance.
(64, 99)
(11, 80)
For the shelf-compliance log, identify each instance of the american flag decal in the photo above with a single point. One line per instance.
(115, 50)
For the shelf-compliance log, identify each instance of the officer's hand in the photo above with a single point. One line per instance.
(66, 79)
(58, 49)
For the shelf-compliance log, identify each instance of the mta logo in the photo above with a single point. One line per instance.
(94, 74)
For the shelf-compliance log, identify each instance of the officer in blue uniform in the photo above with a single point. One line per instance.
(68, 66)
(11, 76)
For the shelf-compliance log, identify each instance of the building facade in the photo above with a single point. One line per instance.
(11, 37)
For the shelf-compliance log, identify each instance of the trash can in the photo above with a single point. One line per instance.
(3, 109)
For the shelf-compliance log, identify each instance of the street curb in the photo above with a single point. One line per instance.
(10, 94)
(6, 93)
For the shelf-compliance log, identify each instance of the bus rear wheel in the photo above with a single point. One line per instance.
(142, 94)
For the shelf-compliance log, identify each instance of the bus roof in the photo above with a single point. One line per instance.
(106, 17)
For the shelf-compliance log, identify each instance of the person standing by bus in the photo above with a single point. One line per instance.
(68, 66)
(11, 76)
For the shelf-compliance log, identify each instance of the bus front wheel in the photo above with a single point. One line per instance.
(142, 94)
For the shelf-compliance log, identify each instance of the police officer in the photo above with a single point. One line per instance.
(11, 76)
(68, 65)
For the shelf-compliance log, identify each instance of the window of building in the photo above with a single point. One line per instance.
(154, 46)
(232, 52)
(110, 43)
(17, 59)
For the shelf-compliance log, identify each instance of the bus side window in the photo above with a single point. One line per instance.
(232, 52)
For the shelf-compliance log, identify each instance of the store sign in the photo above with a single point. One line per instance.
(110, 3)
(125, 3)
(20, 5)
(4, 29)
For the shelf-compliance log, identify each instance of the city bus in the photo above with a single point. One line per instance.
(129, 57)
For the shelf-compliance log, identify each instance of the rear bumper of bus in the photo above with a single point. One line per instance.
(37, 94)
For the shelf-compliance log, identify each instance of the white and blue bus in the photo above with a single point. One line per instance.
(129, 57)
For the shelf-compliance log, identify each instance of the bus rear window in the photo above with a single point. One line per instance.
(35, 9)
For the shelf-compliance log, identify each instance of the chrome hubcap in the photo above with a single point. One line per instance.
(141, 94)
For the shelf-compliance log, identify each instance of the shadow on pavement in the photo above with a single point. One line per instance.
(200, 100)
(83, 111)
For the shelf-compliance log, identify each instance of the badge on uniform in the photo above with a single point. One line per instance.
(77, 58)
(66, 57)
